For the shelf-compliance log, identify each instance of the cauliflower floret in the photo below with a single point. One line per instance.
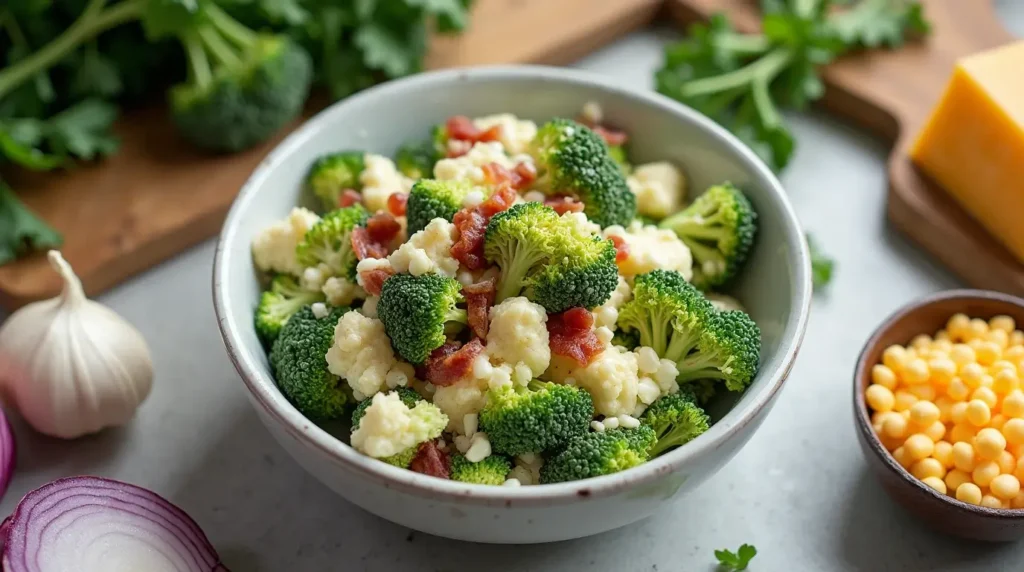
(380, 178)
(369, 308)
(724, 303)
(607, 314)
(341, 292)
(368, 264)
(468, 166)
(651, 248)
(659, 188)
(516, 134)
(460, 399)
(273, 249)
(428, 250)
(390, 426)
(583, 224)
(518, 334)
(361, 354)
(612, 381)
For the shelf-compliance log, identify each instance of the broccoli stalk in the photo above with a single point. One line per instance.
(540, 417)
(493, 470)
(278, 304)
(595, 454)
(430, 199)
(300, 368)
(575, 160)
(331, 174)
(676, 420)
(418, 312)
(719, 229)
(328, 244)
(547, 258)
(242, 86)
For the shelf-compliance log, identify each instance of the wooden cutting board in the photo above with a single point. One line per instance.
(891, 94)
(158, 196)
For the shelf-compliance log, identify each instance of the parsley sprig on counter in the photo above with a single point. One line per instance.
(742, 81)
(729, 561)
(70, 66)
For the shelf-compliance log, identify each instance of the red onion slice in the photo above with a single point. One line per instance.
(7, 453)
(91, 524)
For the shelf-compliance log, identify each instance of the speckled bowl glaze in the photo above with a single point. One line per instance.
(775, 287)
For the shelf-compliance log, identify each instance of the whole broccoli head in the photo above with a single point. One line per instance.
(333, 173)
(549, 259)
(417, 312)
(574, 160)
(596, 454)
(416, 160)
(329, 242)
(408, 396)
(430, 199)
(540, 417)
(243, 86)
(679, 323)
(719, 229)
(280, 303)
(493, 470)
(676, 420)
(300, 368)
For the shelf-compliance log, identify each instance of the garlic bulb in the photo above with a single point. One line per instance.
(72, 366)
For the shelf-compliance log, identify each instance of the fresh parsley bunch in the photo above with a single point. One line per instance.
(743, 80)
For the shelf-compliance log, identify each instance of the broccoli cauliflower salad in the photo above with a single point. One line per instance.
(508, 303)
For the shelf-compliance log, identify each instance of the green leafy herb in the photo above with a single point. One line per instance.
(20, 230)
(729, 561)
(822, 266)
(742, 81)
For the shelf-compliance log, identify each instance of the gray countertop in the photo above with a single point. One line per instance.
(799, 490)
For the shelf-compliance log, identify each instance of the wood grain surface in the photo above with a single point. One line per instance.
(891, 93)
(158, 196)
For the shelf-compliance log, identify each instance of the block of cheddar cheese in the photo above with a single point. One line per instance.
(973, 143)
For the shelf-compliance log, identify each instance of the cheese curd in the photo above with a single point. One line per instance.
(380, 179)
(659, 188)
(651, 248)
(273, 249)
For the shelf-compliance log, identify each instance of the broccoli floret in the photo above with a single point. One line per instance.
(673, 317)
(701, 391)
(417, 312)
(629, 340)
(575, 160)
(491, 471)
(430, 199)
(719, 229)
(540, 417)
(621, 157)
(278, 304)
(596, 454)
(417, 160)
(408, 396)
(331, 174)
(242, 87)
(300, 368)
(676, 420)
(329, 242)
(548, 259)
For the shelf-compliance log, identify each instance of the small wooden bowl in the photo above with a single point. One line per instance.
(940, 512)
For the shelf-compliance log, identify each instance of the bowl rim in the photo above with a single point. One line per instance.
(862, 418)
(265, 393)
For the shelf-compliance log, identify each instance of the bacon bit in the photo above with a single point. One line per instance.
(564, 204)
(462, 128)
(621, 248)
(611, 136)
(373, 280)
(479, 299)
(520, 178)
(450, 363)
(349, 197)
(365, 247)
(383, 228)
(472, 224)
(431, 460)
(397, 202)
(571, 334)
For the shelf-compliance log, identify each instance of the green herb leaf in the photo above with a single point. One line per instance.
(96, 75)
(875, 23)
(164, 18)
(83, 130)
(384, 50)
(18, 144)
(21, 231)
(822, 266)
(729, 561)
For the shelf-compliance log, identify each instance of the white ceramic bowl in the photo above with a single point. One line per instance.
(775, 287)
